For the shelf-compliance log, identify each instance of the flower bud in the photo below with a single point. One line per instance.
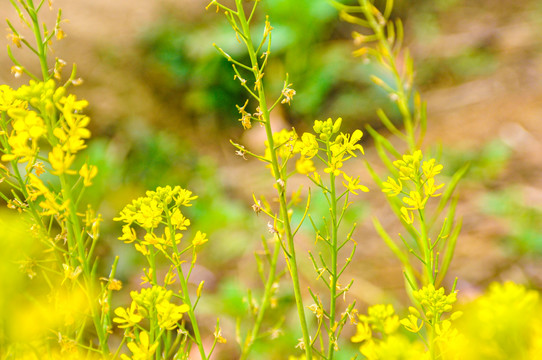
(337, 125)
(317, 127)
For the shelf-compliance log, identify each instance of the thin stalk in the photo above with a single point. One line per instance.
(249, 341)
(74, 227)
(427, 251)
(402, 99)
(39, 40)
(291, 260)
(333, 272)
(184, 286)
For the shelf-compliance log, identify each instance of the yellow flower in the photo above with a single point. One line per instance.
(88, 173)
(353, 184)
(431, 169)
(363, 332)
(304, 166)
(409, 165)
(183, 197)
(27, 123)
(169, 314)
(392, 187)
(200, 239)
(149, 215)
(153, 240)
(127, 317)
(434, 301)
(383, 318)
(406, 216)
(128, 234)
(284, 141)
(414, 201)
(36, 188)
(350, 142)
(326, 128)
(61, 161)
(142, 249)
(20, 149)
(179, 221)
(334, 167)
(142, 350)
(430, 188)
(307, 146)
(167, 236)
(411, 323)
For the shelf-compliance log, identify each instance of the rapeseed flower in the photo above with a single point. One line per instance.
(61, 161)
(126, 318)
(141, 349)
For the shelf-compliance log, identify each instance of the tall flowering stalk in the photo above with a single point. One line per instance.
(277, 151)
(43, 131)
(328, 145)
(411, 186)
(154, 320)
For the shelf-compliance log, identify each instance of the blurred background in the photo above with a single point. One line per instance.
(162, 104)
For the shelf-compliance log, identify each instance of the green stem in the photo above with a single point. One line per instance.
(334, 250)
(184, 285)
(76, 243)
(249, 341)
(42, 51)
(427, 251)
(281, 183)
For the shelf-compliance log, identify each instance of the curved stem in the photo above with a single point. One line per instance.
(387, 52)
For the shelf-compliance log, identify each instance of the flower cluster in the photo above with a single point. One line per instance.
(141, 348)
(162, 206)
(337, 147)
(42, 110)
(153, 304)
(149, 301)
(377, 333)
(36, 117)
(415, 182)
(434, 303)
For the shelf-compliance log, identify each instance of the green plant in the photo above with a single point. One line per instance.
(43, 129)
(412, 187)
(329, 146)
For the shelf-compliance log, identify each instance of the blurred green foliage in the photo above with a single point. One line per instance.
(180, 64)
(315, 49)
(524, 235)
(486, 163)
